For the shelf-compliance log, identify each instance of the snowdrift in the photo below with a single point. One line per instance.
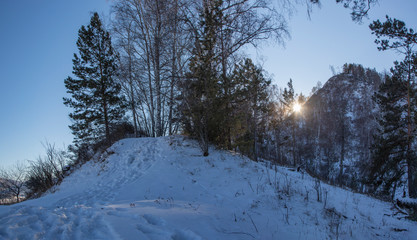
(163, 188)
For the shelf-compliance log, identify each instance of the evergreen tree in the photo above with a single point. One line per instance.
(201, 88)
(288, 97)
(94, 93)
(393, 34)
(389, 152)
(359, 8)
(253, 104)
(288, 100)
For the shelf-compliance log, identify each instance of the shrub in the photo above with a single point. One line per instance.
(46, 171)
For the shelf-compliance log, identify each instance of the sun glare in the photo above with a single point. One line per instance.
(296, 108)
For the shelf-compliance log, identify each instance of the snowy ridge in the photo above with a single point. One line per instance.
(162, 188)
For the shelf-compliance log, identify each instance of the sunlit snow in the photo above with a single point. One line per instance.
(163, 188)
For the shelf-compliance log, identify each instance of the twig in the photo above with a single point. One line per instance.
(225, 232)
(250, 185)
(253, 223)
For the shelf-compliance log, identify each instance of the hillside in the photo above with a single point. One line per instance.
(162, 188)
(337, 124)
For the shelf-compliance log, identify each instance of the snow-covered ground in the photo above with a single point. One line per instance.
(162, 188)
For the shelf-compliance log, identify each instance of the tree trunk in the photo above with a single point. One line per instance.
(411, 162)
(171, 93)
(173, 70)
(226, 85)
(132, 93)
(157, 69)
(255, 137)
(150, 101)
(104, 105)
(293, 143)
(342, 155)
(106, 121)
(412, 174)
(135, 125)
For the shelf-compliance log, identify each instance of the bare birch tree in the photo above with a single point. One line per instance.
(151, 39)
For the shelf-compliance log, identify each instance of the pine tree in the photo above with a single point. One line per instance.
(94, 93)
(253, 101)
(389, 152)
(288, 100)
(201, 88)
(288, 97)
(393, 34)
(359, 8)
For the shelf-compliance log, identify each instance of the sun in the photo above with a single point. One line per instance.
(296, 107)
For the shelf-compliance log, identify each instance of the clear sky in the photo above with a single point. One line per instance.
(37, 42)
(332, 38)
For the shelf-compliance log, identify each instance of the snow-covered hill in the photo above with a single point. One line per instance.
(162, 188)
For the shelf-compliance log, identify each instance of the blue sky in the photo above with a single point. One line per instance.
(37, 42)
(332, 38)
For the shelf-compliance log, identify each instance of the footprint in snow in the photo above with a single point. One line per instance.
(155, 227)
(154, 220)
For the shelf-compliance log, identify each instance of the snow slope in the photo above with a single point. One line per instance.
(162, 188)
